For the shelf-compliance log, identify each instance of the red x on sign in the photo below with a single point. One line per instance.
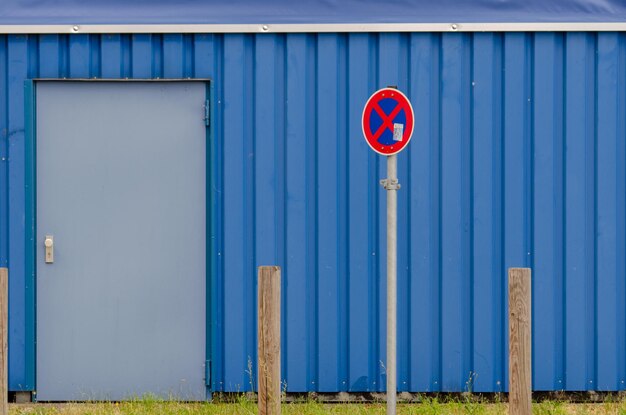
(388, 121)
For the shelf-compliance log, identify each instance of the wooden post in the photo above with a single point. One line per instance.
(269, 340)
(520, 376)
(4, 347)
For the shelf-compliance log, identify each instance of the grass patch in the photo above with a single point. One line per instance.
(244, 406)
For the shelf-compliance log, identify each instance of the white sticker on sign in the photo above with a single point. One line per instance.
(398, 132)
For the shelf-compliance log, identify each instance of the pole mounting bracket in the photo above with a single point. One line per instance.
(390, 184)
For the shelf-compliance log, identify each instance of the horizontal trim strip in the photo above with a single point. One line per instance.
(316, 28)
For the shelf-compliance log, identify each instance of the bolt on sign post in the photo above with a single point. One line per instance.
(388, 123)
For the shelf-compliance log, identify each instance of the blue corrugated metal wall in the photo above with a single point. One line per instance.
(518, 159)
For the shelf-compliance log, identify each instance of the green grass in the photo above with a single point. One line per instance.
(242, 405)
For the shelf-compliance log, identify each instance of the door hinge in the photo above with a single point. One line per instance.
(207, 113)
(207, 373)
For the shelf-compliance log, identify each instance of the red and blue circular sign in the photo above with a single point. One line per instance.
(388, 121)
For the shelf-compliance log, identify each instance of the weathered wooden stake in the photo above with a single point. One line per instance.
(269, 340)
(520, 380)
(4, 349)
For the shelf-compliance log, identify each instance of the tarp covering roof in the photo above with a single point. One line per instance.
(45, 12)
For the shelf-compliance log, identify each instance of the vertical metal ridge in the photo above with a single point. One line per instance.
(137, 47)
(238, 244)
(95, 71)
(343, 168)
(384, 66)
(296, 211)
(529, 148)
(558, 209)
(140, 56)
(250, 204)
(4, 164)
(64, 56)
(529, 177)
(218, 124)
(173, 55)
(18, 69)
(484, 217)
(502, 348)
(559, 206)
(48, 47)
(78, 56)
(111, 56)
(327, 208)
(262, 243)
(126, 51)
(281, 194)
(377, 312)
(268, 80)
(280, 157)
(374, 237)
(403, 352)
(409, 223)
(33, 56)
(380, 250)
(468, 249)
(606, 182)
(314, 110)
(157, 55)
(454, 208)
(620, 190)
(188, 56)
(566, 211)
(606, 233)
(497, 201)
(349, 257)
(30, 220)
(403, 276)
(579, 127)
(359, 254)
(213, 59)
(438, 67)
(312, 212)
(592, 234)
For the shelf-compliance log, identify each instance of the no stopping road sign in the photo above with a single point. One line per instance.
(388, 121)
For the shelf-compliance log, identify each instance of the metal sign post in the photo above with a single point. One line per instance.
(387, 126)
(391, 185)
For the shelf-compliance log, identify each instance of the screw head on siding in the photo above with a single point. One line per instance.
(454, 26)
(265, 28)
(75, 29)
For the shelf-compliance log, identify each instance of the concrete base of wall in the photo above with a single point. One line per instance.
(21, 397)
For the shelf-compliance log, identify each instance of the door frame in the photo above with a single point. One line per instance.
(30, 135)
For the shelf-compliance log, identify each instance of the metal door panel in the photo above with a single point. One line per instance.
(121, 179)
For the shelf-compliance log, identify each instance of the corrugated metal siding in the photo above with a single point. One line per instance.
(518, 159)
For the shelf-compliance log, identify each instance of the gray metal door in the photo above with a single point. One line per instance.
(121, 194)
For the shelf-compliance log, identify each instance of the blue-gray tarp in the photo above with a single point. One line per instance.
(307, 11)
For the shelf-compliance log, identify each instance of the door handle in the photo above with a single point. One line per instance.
(49, 245)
